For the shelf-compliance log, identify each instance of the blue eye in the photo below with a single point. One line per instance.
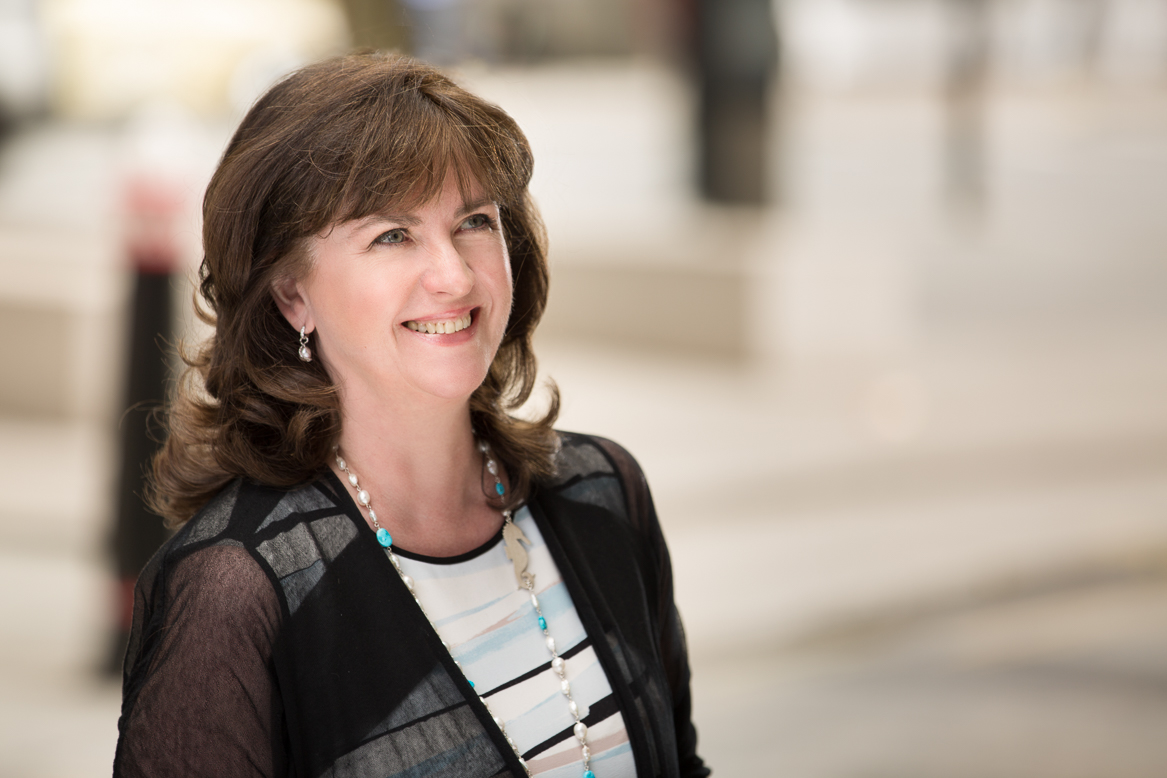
(477, 221)
(392, 236)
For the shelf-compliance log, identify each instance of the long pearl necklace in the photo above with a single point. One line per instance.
(514, 538)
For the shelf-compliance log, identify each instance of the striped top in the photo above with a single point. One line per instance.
(491, 628)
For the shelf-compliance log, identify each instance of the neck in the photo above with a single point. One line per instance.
(423, 471)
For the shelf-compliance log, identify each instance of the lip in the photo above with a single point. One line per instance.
(444, 315)
(461, 336)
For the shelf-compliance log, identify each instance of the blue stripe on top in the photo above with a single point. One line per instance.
(491, 628)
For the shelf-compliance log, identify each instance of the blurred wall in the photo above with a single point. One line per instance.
(212, 57)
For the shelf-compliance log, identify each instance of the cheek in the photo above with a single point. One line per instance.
(508, 285)
(505, 300)
(379, 286)
(493, 268)
(506, 278)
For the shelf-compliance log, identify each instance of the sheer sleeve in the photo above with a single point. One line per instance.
(671, 636)
(199, 696)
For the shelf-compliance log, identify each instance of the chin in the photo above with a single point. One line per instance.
(452, 384)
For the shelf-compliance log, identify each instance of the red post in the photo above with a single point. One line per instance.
(152, 207)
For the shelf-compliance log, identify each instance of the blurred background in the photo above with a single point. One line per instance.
(876, 290)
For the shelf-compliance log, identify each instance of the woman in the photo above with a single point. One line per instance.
(379, 571)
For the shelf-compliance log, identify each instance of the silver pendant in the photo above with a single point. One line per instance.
(514, 539)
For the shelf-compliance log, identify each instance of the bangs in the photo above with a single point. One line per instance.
(400, 148)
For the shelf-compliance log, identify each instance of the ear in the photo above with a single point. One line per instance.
(292, 302)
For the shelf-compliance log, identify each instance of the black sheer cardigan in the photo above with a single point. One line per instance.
(272, 637)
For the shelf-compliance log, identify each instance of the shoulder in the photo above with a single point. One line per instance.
(214, 554)
(582, 455)
(285, 530)
(599, 471)
(244, 508)
(275, 531)
(230, 561)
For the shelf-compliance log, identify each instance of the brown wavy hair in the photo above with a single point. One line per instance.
(339, 140)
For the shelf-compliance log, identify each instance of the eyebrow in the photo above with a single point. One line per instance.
(397, 218)
(474, 206)
(409, 220)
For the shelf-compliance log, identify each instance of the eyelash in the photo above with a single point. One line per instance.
(488, 220)
(488, 223)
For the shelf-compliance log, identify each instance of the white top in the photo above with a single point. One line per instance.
(492, 630)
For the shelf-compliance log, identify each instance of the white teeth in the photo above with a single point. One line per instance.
(446, 327)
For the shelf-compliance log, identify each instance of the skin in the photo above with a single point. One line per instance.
(405, 395)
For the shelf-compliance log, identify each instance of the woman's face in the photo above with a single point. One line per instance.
(408, 305)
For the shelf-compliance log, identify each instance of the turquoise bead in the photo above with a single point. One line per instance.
(500, 489)
(542, 623)
(384, 538)
(589, 774)
(472, 686)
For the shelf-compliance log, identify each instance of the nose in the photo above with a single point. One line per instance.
(447, 273)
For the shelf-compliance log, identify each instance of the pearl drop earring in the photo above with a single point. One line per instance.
(305, 352)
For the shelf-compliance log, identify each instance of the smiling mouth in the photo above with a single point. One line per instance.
(443, 327)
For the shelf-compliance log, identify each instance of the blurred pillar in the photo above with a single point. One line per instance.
(152, 208)
(737, 58)
(1089, 26)
(377, 24)
(437, 31)
(968, 65)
